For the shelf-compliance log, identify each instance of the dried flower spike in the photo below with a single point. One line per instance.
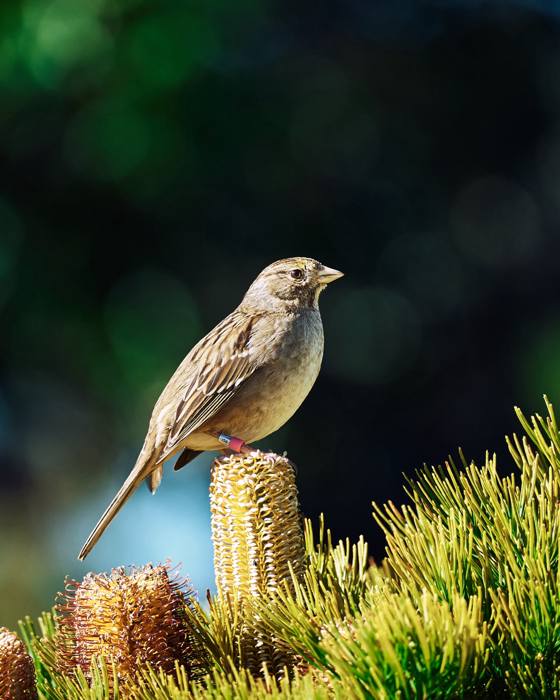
(257, 534)
(17, 675)
(130, 618)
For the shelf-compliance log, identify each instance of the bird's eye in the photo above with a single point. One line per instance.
(297, 274)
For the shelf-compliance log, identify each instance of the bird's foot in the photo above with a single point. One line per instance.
(234, 444)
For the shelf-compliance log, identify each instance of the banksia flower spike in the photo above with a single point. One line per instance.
(17, 675)
(256, 523)
(129, 618)
(258, 541)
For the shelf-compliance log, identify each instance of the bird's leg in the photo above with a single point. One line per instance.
(234, 444)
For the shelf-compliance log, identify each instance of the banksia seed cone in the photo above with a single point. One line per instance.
(17, 675)
(131, 618)
(257, 535)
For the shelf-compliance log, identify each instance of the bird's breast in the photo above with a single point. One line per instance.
(271, 396)
(287, 381)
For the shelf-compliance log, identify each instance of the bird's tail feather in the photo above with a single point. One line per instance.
(138, 473)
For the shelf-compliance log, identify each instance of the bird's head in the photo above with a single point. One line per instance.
(290, 283)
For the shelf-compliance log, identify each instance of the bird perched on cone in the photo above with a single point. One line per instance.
(241, 382)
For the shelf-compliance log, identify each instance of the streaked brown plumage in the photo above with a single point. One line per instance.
(246, 378)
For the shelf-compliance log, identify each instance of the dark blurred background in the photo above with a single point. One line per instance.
(155, 156)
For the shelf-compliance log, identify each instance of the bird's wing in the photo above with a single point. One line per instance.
(216, 368)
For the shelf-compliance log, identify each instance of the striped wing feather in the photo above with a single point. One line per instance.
(218, 365)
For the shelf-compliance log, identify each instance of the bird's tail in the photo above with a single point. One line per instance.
(142, 468)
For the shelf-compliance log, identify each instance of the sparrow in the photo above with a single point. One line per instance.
(241, 382)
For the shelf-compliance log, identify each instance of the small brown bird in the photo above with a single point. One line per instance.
(241, 382)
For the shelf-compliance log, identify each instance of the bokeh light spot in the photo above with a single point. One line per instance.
(8, 55)
(115, 140)
(152, 322)
(60, 428)
(378, 335)
(496, 222)
(61, 34)
(109, 139)
(165, 48)
(426, 269)
(332, 129)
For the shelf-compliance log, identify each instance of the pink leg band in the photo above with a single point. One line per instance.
(236, 444)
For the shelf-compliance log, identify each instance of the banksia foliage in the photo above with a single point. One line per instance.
(128, 618)
(17, 675)
(258, 546)
(400, 648)
(474, 532)
(466, 604)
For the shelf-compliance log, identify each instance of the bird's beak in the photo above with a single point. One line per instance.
(328, 274)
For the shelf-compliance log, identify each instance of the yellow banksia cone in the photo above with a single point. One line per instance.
(130, 618)
(17, 675)
(258, 537)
